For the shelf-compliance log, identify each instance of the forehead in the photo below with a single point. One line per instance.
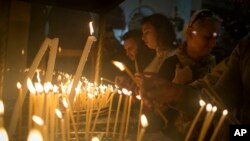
(147, 26)
(130, 43)
(207, 26)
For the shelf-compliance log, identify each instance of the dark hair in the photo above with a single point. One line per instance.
(164, 28)
(134, 34)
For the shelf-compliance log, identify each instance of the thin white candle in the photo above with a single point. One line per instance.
(31, 72)
(217, 128)
(82, 62)
(203, 130)
(1, 113)
(3, 134)
(202, 104)
(144, 123)
(117, 112)
(128, 114)
(122, 67)
(140, 112)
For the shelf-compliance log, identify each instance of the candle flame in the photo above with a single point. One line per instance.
(95, 139)
(38, 120)
(125, 91)
(30, 86)
(144, 121)
(138, 97)
(58, 113)
(214, 109)
(119, 92)
(18, 85)
(91, 96)
(209, 107)
(35, 135)
(119, 65)
(39, 87)
(3, 134)
(225, 112)
(202, 103)
(1, 108)
(91, 28)
(65, 103)
(38, 75)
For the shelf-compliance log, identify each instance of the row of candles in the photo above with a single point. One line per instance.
(49, 106)
(210, 112)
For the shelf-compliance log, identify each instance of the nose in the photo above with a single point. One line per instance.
(212, 41)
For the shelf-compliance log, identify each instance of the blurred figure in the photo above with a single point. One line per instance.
(137, 52)
(191, 61)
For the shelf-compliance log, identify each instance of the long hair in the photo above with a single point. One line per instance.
(164, 29)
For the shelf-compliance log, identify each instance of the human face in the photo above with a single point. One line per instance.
(149, 35)
(203, 39)
(130, 47)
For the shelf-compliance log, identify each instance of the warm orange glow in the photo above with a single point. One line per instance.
(3, 134)
(225, 112)
(202, 103)
(30, 86)
(144, 121)
(119, 65)
(35, 135)
(209, 107)
(58, 113)
(37, 120)
(1, 108)
(91, 28)
(18, 85)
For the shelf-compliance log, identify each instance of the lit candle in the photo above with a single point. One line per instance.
(1, 113)
(144, 123)
(35, 135)
(3, 134)
(202, 104)
(203, 130)
(109, 114)
(20, 97)
(82, 61)
(67, 119)
(117, 111)
(95, 139)
(122, 67)
(59, 115)
(31, 98)
(31, 72)
(128, 114)
(217, 128)
(140, 112)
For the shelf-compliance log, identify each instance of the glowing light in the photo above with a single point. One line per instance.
(95, 139)
(138, 97)
(3, 134)
(58, 113)
(119, 65)
(202, 103)
(144, 121)
(35, 135)
(225, 112)
(30, 86)
(1, 108)
(209, 107)
(91, 28)
(18, 85)
(65, 103)
(37, 120)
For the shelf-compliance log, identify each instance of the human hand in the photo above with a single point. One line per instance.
(182, 75)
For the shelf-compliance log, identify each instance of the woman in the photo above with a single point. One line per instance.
(158, 34)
